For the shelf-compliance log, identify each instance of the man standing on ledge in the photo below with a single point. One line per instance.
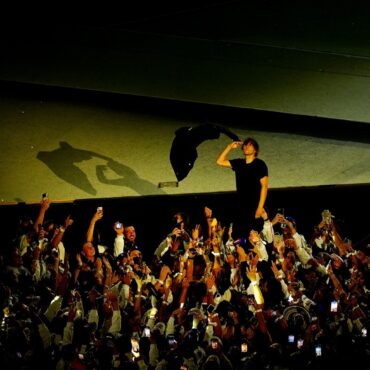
(251, 175)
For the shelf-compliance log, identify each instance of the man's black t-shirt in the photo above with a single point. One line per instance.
(248, 176)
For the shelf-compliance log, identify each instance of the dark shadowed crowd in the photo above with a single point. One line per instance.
(204, 299)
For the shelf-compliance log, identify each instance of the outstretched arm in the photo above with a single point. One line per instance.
(44, 206)
(90, 231)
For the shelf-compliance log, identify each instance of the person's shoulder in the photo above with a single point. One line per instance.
(237, 161)
(261, 167)
(260, 162)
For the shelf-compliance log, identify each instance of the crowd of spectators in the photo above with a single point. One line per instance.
(274, 299)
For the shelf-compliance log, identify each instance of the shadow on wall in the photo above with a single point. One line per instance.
(62, 161)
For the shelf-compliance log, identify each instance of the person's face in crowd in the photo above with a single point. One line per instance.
(135, 257)
(289, 260)
(88, 250)
(178, 218)
(122, 261)
(311, 277)
(249, 149)
(286, 232)
(130, 233)
(254, 236)
(279, 244)
(336, 263)
(215, 345)
(107, 309)
(249, 333)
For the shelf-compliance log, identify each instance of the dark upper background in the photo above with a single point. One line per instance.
(80, 87)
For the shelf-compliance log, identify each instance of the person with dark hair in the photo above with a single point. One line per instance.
(251, 175)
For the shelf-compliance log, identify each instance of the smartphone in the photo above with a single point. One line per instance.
(118, 225)
(44, 196)
(210, 308)
(318, 351)
(364, 332)
(281, 211)
(333, 306)
(244, 347)
(300, 343)
(100, 209)
(81, 356)
(291, 338)
(147, 332)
